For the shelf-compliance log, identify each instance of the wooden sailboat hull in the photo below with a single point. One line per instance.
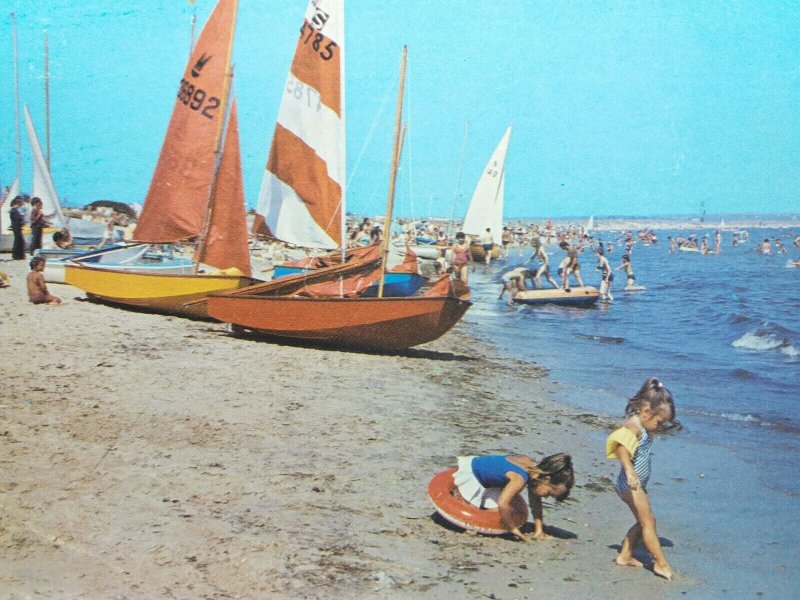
(576, 296)
(162, 293)
(479, 254)
(381, 324)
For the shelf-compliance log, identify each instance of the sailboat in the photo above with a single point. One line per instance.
(302, 195)
(323, 306)
(196, 190)
(486, 206)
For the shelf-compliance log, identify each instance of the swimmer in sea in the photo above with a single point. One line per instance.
(608, 276)
(628, 268)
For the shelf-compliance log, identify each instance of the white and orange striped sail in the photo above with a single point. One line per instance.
(303, 189)
(225, 244)
(176, 204)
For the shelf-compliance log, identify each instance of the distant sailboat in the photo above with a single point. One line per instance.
(589, 225)
(43, 186)
(486, 206)
(196, 190)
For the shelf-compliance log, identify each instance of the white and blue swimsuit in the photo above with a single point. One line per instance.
(641, 462)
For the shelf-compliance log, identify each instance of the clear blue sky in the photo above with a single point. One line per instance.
(619, 108)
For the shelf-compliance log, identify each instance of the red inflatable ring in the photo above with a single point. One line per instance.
(449, 503)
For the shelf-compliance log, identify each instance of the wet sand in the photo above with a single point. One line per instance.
(146, 456)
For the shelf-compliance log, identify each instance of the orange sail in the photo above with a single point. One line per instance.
(302, 191)
(176, 204)
(226, 240)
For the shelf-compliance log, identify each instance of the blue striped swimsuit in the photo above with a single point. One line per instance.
(641, 463)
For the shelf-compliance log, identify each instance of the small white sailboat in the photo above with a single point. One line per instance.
(486, 206)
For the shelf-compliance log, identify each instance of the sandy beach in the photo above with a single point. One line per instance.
(147, 456)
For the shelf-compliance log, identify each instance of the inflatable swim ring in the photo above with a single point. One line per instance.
(452, 506)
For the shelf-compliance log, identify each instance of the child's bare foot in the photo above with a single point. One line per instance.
(664, 571)
(628, 562)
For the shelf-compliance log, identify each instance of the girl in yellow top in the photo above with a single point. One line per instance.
(647, 412)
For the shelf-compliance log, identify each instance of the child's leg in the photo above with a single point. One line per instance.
(632, 539)
(639, 502)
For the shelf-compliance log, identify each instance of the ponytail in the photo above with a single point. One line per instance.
(653, 395)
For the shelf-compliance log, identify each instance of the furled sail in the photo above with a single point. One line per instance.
(176, 204)
(43, 186)
(303, 189)
(226, 240)
(486, 207)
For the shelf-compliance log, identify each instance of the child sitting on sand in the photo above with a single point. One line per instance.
(37, 288)
(647, 412)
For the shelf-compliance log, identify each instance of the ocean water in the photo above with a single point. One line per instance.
(723, 333)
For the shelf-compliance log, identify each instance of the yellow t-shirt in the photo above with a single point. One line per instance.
(621, 437)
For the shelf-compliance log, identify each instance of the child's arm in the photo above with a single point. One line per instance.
(535, 503)
(514, 486)
(627, 466)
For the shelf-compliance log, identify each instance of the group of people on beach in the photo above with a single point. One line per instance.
(19, 217)
(504, 477)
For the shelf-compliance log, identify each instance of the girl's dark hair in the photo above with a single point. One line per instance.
(654, 395)
(35, 261)
(558, 470)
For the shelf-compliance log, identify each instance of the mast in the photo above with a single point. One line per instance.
(458, 180)
(16, 94)
(194, 24)
(399, 134)
(201, 248)
(343, 104)
(46, 100)
(201, 244)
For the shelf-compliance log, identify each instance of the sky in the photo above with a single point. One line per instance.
(618, 108)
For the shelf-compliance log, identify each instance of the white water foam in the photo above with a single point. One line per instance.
(760, 341)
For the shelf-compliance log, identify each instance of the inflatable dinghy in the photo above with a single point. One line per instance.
(576, 296)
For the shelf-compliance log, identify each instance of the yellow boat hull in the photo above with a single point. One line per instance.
(162, 293)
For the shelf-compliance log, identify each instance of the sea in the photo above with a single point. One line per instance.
(723, 334)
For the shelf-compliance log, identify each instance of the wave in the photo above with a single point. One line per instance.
(601, 338)
(736, 318)
(766, 339)
(749, 419)
(744, 374)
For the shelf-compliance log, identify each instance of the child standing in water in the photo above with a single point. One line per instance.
(647, 412)
(630, 282)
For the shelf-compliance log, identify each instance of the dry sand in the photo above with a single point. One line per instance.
(146, 456)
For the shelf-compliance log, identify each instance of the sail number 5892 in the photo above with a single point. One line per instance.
(197, 99)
